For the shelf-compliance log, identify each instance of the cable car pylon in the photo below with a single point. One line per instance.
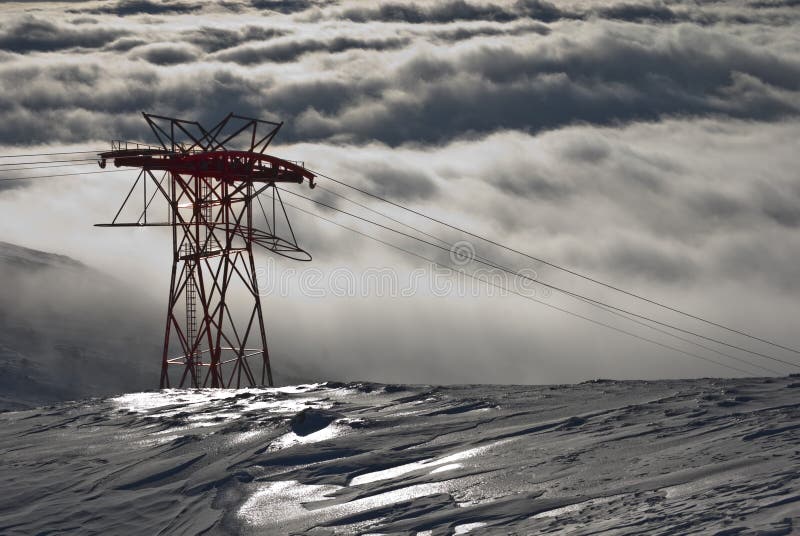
(211, 181)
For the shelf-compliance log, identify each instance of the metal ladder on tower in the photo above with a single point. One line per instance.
(191, 312)
(207, 213)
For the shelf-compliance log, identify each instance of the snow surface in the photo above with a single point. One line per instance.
(670, 457)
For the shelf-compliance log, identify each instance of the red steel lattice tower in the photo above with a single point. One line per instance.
(211, 182)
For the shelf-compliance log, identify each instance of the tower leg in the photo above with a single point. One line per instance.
(266, 369)
(164, 384)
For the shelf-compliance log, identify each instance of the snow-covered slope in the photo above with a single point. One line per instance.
(670, 457)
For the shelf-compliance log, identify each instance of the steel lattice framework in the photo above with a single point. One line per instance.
(213, 181)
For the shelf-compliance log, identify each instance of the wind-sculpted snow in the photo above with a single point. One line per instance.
(667, 457)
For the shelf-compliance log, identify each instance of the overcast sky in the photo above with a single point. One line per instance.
(653, 145)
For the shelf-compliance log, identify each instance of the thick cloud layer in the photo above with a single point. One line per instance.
(649, 144)
(428, 85)
(287, 51)
(138, 7)
(31, 34)
(457, 10)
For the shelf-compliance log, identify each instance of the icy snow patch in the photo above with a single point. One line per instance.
(290, 438)
(394, 472)
(571, 508)
(282, 501)
(468, 527)
(448, 467)
(149, 401)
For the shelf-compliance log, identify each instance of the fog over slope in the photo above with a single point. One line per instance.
(68, 331)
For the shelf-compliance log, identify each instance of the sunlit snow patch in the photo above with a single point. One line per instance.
(570, 508)
(392, 472)
(693, 487)
(448, 467)
(289, 439)
(296, 388)
(468, 527)
(167, 397)
(280, 502)
(400, 470)
(286, 405)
